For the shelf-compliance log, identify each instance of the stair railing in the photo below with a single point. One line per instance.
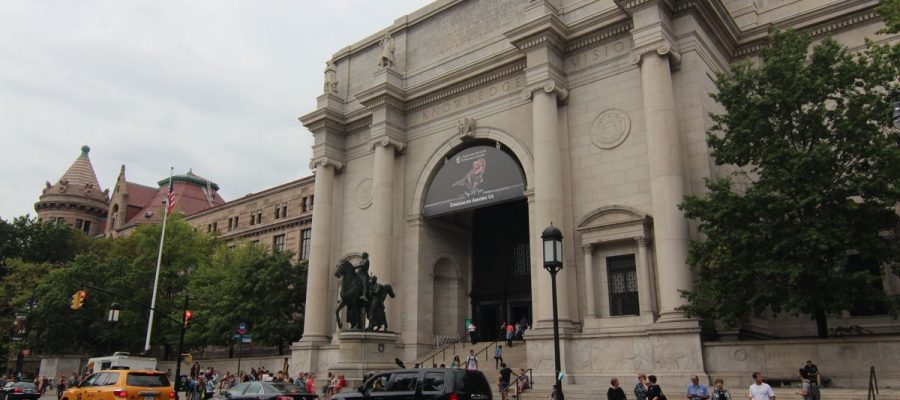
(515, 383)
(449, 343)
(873, 384)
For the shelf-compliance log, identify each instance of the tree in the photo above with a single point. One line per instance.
(248, 284)
(819, 166)
(890, 11)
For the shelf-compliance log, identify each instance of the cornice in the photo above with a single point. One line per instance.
(323, 120)
(548, 29)
(359, 124)
(715, 17)
(382, 101)
(599, 36)
(554, 39)
(634, 5)
(501, 72)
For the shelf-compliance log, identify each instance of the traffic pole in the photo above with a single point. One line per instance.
(181, 347)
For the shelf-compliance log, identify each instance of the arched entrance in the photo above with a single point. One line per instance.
(478, 193)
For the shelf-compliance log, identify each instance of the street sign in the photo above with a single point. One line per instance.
(242, 328)
(244, 338)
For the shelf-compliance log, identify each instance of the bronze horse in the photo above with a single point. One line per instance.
(351, 291)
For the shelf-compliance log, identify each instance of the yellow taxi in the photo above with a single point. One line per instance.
(123, 384)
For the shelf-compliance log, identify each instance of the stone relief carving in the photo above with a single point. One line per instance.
(364, 193)
(740, 355)
(674, 356)
(387, 52)
(466, 128)
(610, 128)
(63, 186)
(331, 83)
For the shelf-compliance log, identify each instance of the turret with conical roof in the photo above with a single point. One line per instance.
(76, 199)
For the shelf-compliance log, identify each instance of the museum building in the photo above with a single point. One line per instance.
(447, 142)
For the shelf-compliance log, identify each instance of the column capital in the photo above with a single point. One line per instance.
(561, 92)
(385, 141)
(662, 48)
(587, 248)
(642, 241)
(326, 162)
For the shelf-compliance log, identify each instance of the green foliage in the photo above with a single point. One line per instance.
(812, 134)
(248, 284)
(890, 11)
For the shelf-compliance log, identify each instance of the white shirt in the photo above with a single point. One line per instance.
(472, 363)
(761, 392)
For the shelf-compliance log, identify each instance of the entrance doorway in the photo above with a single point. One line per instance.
(501, 278)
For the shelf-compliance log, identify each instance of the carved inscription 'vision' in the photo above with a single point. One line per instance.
(472, 98)
(599, 54)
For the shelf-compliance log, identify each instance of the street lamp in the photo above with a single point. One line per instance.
(553, 263)
(113, 318)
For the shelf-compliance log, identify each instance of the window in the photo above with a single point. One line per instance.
(230, 222)
(433, 382)
(379, 383)
(303, 205)
(215, 227)
(208, 228)
(284, 210)
(79, 223)
(147, 379)
(404, 382)
(254, 243)
(520, 258)
(305, 237)
(312, 201)
(236, 218)
(623, 290)
(278, 243)
(259, 217)
(112, 378)
(87, 227)
(277, 212)
(238, 389)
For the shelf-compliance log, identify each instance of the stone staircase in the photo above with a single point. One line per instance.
(515, 357)
(597, 390)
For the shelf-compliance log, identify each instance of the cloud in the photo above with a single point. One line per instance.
(215, 86)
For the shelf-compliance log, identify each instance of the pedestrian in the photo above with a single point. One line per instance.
(615, 392)
(73, 380)
(510, 332)
(808, 389)
(760, 390)
(473, 333)
(503, 379)
(811, 373)
(455, 363)
(311, 383)
(720, 393)
(654, 391)
(640, 388)
(498, 356)
(61, 386)
(522, 382)
(339, 384)
(210, 388)
(471, 361)
(697, 390)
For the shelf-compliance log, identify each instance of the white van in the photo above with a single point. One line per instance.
(120, 360)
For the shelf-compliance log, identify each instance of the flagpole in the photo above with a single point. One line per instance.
(162, 238)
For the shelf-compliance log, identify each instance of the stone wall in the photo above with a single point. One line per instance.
(845, 361)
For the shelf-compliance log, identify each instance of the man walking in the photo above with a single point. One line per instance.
(760, 390)
(498, 356)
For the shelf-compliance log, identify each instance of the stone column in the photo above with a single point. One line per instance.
(382, 239)
(665, 151)
(589, 280)
(644, 274)
(548, 196)
(317, 285)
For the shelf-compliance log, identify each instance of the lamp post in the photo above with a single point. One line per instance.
(113, 317)
(553, 263)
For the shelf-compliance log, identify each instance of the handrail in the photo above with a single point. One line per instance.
(484, 350)
(873, 384)
(442, 351)
(515, 382)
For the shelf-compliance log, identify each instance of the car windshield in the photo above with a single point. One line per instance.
(283, 387)
(146, 380)
(26, 385)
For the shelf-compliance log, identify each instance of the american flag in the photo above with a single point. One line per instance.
(170, 199)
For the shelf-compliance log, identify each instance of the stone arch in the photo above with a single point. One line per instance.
(519, 150)
(447, 293)
(612, 215)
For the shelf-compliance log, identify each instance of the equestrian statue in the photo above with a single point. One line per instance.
(362, 296)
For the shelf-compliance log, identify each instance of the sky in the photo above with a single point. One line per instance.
(215, 86)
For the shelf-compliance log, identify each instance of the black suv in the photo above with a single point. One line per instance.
(422, 384)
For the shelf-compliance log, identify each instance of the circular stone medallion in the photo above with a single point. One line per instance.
(610, 128)
(364, 193)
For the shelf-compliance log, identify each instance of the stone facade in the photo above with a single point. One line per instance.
(279, 216)
(603, 104)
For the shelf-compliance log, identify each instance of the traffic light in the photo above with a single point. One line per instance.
(187, 317)
(78, 299)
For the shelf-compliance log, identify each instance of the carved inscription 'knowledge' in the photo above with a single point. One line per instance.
(469, 99)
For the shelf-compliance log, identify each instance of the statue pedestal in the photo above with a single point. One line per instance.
(363, 352)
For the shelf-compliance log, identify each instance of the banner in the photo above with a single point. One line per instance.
(474, 177)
